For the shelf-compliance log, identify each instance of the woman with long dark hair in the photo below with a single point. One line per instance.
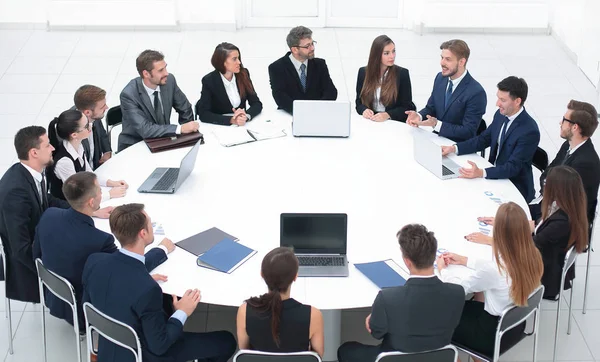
(508, 278)
(226, 90)
(383, 89)
(66, 133)
(274, 322)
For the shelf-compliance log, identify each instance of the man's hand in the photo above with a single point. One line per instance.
(103, 213)
(473, 172)
(368, 113)
(188, 302)
(429, 122)
(479, 238)
(446, 150)
(116, 192)
(105, 157)
(119, 183)
(159, 277)
(167, 243)
(367, 321)
(190, 127)
(413, 118)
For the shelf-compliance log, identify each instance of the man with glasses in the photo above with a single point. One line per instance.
(576, 127)
(298, 74)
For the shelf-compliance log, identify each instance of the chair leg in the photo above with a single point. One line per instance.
(587, 275)
(536, 321)
(77, 342)
(44, 350)
(570, 308)
(10, 334)
(557, 323)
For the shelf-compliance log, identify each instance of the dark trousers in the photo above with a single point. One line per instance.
(357, 352)
(208, 347)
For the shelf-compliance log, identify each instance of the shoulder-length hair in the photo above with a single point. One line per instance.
(218, 59)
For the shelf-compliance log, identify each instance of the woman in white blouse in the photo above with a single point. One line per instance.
(509, 277)
(66, 133)
(226, 90)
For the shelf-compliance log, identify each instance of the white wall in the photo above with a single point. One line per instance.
(24, 12)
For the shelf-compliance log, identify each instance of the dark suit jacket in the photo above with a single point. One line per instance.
(139, 119)
(64, 240)
(120, 286)
(516, 155)
(586, 162)
(419, 316)
(403, 101)
(286, 87)
(101, 142)
(20, 212)
(552, 238)
(214, 101)
(465, 110)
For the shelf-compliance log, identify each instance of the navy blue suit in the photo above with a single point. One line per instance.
(120, 286)
(465, 108)
(64, 239)
(516, 154)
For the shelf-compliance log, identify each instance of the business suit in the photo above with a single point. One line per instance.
(20, 212)
(118, 277)
(286, 86)
(416, 317)
(214, 101)
(140, 120)
(403, 101)
(101, 143)
(516, 152)
(587, 164)
(552, 238)
(465, 108)
(64, 239)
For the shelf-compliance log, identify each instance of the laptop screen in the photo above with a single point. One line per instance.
(187, 164)
(314, 233)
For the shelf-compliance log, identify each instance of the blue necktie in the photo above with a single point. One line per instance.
(448, 94)
(503, 134)
(303, 76)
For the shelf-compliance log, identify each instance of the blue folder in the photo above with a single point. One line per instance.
(225, 256)
(381, 274)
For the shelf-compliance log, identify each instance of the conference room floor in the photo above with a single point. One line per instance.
(40, 71)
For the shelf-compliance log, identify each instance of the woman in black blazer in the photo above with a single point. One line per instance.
(383, 89)
(226, 90)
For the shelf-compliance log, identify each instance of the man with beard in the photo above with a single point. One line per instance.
(576, 127)
(298, 74)
(457, 102)
(513, 137)
(146, 103)
(23, 199)
(91, 101)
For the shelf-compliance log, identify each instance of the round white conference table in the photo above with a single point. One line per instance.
(371, 176)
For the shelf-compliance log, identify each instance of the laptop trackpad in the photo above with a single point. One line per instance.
(319, 271)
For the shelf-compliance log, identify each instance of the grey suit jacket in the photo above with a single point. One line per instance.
(139, 119)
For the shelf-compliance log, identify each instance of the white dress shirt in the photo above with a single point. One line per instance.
(232, 91)
(570, 151)
(297, 64)
(455, 84)
(487, 279)
(377, 105)
(64, 168)
(37, 177)
(150, 92)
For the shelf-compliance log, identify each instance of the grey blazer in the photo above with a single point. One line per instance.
(139, 120)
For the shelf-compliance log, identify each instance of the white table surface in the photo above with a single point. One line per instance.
(371, 176)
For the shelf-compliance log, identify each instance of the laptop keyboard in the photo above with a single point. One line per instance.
(446, 171)
(167, 180)
(321, 260)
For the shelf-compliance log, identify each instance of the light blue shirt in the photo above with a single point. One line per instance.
(179, 315)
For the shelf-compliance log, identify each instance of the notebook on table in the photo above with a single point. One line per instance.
(202, 242)
(233, 135)
(226, 256)
(381, 273)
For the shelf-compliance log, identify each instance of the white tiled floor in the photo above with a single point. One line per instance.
(40, 71)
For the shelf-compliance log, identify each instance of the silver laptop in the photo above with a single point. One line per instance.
(319, 241)
(429, 155)
(321, 119)
(167, 180)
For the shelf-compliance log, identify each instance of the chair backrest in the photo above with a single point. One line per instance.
(570, 258)
(56, 284)
(482, 127)
(117, 332)
(245, 355)
(444, 354)
(512, 316)
(114, 116)
(540, 159)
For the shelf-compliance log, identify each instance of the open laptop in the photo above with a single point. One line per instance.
(167, 180)
(321, 119)
(429, 155)
(319, 241)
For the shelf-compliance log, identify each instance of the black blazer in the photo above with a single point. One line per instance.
(214, 102)
(65, 253)
(552, 238)
(586, 162)
(286, 87)
(403, 101)
(438, 306)
(20, 212)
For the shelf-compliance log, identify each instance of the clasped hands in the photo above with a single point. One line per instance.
(239, 117)
(379, 117)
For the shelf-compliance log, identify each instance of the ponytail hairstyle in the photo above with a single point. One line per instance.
(61, 127)
(279, 269)
(242, 78)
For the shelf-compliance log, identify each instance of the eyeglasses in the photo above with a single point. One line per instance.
(308, 46)
(568, 120)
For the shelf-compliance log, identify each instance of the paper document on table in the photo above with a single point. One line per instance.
(158, 228)
(265, 130)
(231, 136)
